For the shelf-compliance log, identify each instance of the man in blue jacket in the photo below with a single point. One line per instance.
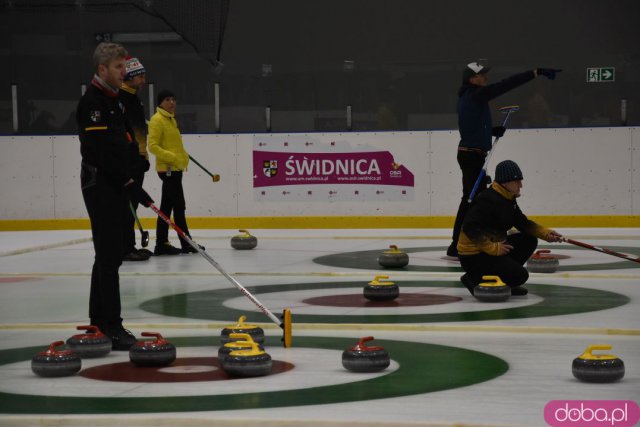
(476, 130)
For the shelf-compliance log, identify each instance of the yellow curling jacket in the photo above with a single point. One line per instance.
(165, 142)
(492, 214)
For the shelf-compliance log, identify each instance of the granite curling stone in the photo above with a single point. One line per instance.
(244, 241)
(56, 363)
(377, 290)
(93, 343)
(542, 262)
(158, 352)
(256, 332)
(495, 291)
(240, 342)
(393, 258)
(361, 358)
(597, 368)
(247, 363)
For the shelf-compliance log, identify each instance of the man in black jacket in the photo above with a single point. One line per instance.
(134, 80)
(476, 130)
(107, 185)
(485, 248)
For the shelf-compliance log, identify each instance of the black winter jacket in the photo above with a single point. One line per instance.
(493, 213)
(474, 116)
(104, 143)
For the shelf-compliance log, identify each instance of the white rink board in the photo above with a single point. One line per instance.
(635, 172)
(583, 171)
(68, 202)
(26, 177)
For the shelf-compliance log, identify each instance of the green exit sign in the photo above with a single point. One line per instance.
(601, 74)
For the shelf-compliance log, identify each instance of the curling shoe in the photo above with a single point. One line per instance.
(135, 256)
(519, 291)
(467, 283)
(121, 339)
(166, 249)
(144, 251)
(190, 249)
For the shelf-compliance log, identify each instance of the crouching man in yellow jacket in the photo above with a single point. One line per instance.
(165, 142)
(485, 247)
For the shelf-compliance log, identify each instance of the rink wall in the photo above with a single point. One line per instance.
(572, 177)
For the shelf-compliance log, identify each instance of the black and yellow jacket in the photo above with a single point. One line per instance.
(493, 213)
(134, 112)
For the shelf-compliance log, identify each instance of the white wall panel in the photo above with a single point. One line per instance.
(68, 201)
(571, 171)
(446, 177)
(585, 171)
(26, 177)
(217, 153)
(635, 170)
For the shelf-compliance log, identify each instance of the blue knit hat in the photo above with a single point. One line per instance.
(506, 171)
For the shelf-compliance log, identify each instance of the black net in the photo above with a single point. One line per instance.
(201, 23)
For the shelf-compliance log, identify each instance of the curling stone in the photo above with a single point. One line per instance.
(247, 363)
(541, 262)
(256, 332)
(56, 363)
(361, 358)
(597, 368)
(93, 343)
(158, 352)
(377, 290)
(393, 258)
(244, 241)
(240, 342)
(496, 291)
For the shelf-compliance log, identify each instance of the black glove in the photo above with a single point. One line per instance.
(549, 73)
(137, 194)
(498, 131)
(145, 163)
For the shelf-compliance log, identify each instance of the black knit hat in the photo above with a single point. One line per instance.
(506, 171)
(163, 94)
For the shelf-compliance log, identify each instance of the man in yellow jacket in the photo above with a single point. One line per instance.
(485, 248)
(165, 142)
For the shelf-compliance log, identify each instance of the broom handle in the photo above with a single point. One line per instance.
(603, 250)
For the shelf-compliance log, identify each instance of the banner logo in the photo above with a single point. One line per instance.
(270, 168)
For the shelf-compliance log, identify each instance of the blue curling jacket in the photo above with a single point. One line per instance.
(474, 116)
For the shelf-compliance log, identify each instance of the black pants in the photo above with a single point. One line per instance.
(105, 205)
(129, 236)
(172, 201)
(471, 163)
(510, 267)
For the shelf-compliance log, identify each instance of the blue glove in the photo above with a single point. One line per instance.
(549, 73)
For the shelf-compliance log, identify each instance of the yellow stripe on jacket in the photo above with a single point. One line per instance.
(165, 142)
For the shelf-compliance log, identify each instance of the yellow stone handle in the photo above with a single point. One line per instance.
(496, 281)
(246, 232)
(376, 280)
(588, 353)
(243, 337)
(253, 351)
